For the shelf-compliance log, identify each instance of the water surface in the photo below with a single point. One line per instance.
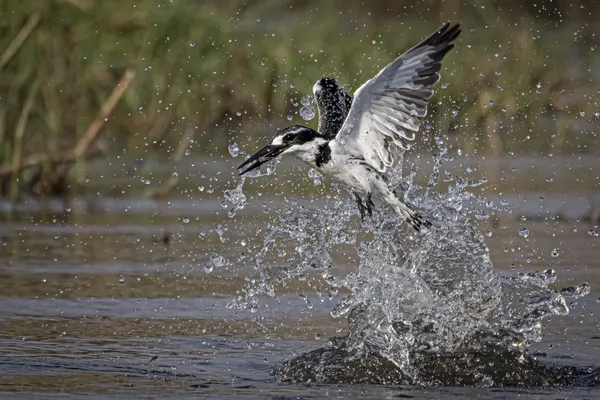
(109, 296)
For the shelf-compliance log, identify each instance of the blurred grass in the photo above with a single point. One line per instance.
(522, 79)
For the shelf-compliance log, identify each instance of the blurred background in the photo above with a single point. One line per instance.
(147, 81)
(124, 230)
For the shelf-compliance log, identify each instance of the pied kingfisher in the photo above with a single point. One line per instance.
(359, 139)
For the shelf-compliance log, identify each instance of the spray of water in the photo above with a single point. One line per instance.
(412, 294)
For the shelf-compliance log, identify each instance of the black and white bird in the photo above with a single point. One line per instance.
(377, 126)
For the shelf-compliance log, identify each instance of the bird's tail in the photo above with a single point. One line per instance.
(411, 216)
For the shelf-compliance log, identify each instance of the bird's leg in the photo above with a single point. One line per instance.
(370, 205)
(361, 207)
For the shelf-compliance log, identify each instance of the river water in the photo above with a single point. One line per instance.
(111, 295)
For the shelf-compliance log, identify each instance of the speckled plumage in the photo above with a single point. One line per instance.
(333, 103)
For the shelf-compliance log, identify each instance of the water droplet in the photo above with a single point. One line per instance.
(582, 113)
(554, 253)
(218, 260)
(454, 112)
(234, 150)
(236, 197)
(221, 232)
(208, 267)
(290, 117)
(307, 101)
(593, 232)
(524, 232)
(488, 234)
(201, 188)
(315, 175)
(549, 179)
(576, 292)
(317, 336)
(186, 220)
(447, 176)
(192, 44)
(307, 113)
(121, 279)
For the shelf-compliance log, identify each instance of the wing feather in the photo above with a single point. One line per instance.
(387, 110)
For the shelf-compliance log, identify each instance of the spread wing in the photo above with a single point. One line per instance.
(387, 110)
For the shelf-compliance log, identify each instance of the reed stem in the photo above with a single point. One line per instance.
(19, 39)
(18, 142)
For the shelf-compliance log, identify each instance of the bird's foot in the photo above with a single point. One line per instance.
(370, 205)
(417, 221)
(361, 207)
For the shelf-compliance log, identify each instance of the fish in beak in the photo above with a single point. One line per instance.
(265, 154)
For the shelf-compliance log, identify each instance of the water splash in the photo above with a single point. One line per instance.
(236, 198)
(216, 261)
(413, 296)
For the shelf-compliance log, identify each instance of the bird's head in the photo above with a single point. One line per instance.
(298, 140)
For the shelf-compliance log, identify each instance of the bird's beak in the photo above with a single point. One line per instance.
(262, 156)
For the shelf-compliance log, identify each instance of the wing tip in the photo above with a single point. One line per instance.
(441, 41)
(452, 33)
(445, 34)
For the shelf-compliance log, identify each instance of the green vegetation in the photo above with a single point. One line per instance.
(523, 78)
